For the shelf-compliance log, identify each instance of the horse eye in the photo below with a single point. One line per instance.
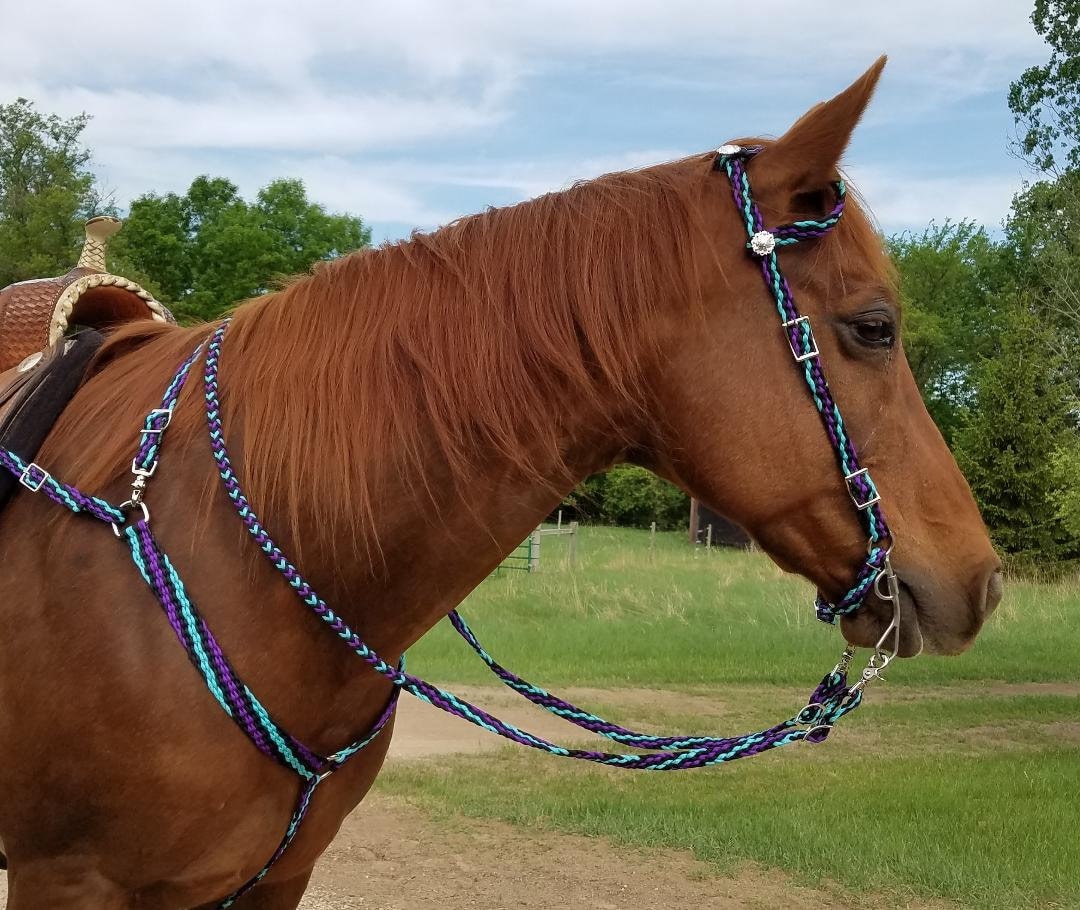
(874, 330)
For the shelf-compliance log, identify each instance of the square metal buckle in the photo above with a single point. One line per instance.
(813, 352)
(875, 496)
(149, 430)
(32, 483)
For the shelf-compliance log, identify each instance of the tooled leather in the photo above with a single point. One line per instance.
(26, 312)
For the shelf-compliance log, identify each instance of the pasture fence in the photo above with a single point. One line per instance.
(525, 557)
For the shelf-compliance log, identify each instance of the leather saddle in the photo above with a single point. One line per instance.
(35, 315)
(43, 357)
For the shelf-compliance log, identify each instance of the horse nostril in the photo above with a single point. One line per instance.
(992, 595)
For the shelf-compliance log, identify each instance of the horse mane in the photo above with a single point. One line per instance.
(464, 344)
(471, 340)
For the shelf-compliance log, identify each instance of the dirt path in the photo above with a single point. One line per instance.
(391, 856)
(422, 731)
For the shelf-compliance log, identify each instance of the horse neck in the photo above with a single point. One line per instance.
(438, 530)
(435, 548)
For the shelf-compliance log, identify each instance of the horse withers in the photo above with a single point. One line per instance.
(453, 386)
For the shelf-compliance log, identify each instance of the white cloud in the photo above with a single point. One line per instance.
(317, 89)
(299, 119)
(526, 179)
(277, 43)
(904, 200)
(379, 196)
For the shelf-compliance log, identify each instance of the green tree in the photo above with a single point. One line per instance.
(1044, 233)
(208, 249)
(1044, 225)
(630, 496)
(46, 192)
(304, 232)
(950, 280)
(1045, 100)
(1012, 444)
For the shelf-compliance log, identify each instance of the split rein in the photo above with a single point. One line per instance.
(831, 699)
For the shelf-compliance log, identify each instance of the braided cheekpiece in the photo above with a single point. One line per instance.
(801, 340)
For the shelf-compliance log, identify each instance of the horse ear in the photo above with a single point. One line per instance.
(806, 156)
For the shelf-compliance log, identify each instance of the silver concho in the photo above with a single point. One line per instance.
(763, 243)
(728, 150)
(30, 362)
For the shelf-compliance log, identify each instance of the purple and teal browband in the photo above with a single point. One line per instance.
(830, 700)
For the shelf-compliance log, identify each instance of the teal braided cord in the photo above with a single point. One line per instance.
(307, 791)
(586, 720)
(61, 493)
(187, 621)
(208, 675)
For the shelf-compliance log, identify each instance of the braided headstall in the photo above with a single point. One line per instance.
(763, 243)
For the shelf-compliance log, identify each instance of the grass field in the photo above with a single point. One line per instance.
(959, 780)
(628, 615)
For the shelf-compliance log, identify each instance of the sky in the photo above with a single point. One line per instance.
(410, 113)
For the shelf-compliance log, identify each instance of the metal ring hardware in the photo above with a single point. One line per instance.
(129, 506)
(801, 356)
(875, 496)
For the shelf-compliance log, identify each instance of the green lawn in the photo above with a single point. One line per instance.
(949, 783)
(668, 618)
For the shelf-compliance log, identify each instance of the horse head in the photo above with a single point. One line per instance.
(734, 423)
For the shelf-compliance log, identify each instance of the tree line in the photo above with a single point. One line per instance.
(200, 253)
(991, 318)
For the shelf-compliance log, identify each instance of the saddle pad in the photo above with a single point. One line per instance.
(41, 396)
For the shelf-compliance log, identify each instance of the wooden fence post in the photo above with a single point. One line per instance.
(534, 551)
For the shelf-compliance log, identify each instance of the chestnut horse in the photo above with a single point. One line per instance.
(451, 387)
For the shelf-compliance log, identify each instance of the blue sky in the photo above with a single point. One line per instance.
(412, 112)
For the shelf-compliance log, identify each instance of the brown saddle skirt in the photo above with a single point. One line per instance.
(42, 363)
(35, 315)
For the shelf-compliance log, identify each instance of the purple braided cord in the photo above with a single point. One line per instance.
(307, 790)
(61, 493)
(799, 337)
(201, 645)
(579, 717)
(713, 751)
(304, 802)
(157, 421)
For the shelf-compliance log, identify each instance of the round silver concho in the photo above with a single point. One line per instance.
(763, 243)
(30, 362)
(728, 150)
